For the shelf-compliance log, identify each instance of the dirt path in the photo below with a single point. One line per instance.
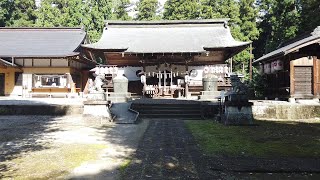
(25, 139)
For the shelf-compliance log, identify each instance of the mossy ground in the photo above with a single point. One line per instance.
(52, 163)
(267, 139)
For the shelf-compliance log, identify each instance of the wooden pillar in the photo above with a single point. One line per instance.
(316, 78)
(185, 81)
(292, 90)
(164, 81)
(231, 65)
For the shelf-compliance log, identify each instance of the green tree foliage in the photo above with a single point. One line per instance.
(120, 11)
(75, 13)
(248, 17)
(224, 9)
(242, 21)
(5, 11)
(181, 10)
(48, 15)
(147, 10)
(280, 22)
(18, 13)
(310, 15)
(96, 13)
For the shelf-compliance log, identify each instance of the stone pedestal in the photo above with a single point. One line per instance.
(292, 100)
(97, 96)
(97, 110)
(238, 113)
(209, 95)
(118, 97)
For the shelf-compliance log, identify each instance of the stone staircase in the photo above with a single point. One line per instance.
(171, 110)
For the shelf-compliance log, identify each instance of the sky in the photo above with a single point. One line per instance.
(160, 1)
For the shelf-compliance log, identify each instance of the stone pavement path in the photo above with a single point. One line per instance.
(167, 151)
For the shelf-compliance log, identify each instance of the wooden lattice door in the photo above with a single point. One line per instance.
(303, 80)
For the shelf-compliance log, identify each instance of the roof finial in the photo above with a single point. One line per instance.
(316, 31)
(225, 24)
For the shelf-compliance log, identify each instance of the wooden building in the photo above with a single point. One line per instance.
(293, 70)
(167, 52)
(42, 61)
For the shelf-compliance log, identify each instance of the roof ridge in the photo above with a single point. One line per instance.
(168, 22)
(40, 28)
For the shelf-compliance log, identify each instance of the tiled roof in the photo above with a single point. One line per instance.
(295, 43)
(40, 42)
(192, 36)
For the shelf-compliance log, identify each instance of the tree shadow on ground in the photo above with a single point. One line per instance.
(122, 141)
(23, 134)
(167, 150)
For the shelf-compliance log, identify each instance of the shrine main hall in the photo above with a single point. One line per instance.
(173, 56)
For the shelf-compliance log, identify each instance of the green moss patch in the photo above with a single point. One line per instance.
(267, 139)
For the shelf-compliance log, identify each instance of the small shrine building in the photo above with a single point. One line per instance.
(292, 71)
(42, 62)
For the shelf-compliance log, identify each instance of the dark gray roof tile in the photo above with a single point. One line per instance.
(166, 36)
(40, 42)
(312, 38)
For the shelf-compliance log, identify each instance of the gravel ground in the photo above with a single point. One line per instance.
(23, 135)
(33, 101)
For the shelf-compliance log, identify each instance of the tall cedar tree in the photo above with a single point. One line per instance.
(249, 32)
(75, 13)
(120, 11)
(147, 10)
(231, 9)
(18, 13)
(66, 13)
(5, 11)
(310, 15)
(181, 10)
(280, 22)
(48, 15)
(248, 18)
(97, 13)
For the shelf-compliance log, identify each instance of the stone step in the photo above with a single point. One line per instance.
(172, 116)
(164, 108)
(207, 97)
(170, 111)
(116, 99)
(211, 93)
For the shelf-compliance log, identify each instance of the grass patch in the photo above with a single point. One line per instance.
(124, 165)
(276, 139)
(52, 163)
